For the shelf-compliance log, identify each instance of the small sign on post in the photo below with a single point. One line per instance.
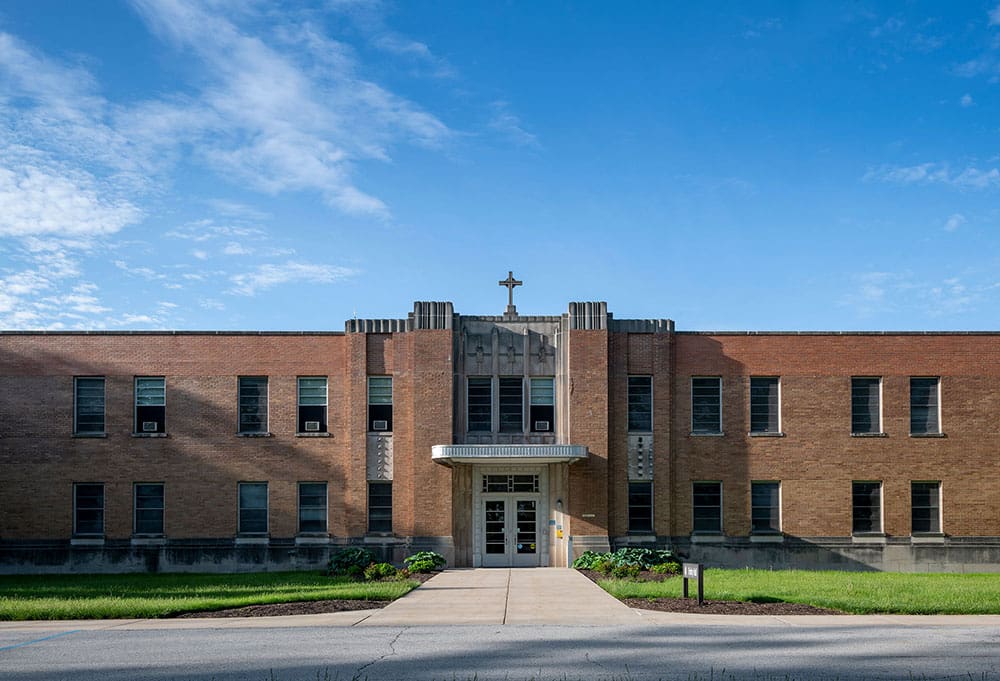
(695, 571)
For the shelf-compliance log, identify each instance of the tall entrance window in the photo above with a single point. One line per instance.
(511, 404)
(379, 403)
(640, 404)
(380, 507)
(640, 507)
(480, 402)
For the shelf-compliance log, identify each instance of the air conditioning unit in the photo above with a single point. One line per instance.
(149, 426)
(312, 426)
(542, 426)
(380, 425)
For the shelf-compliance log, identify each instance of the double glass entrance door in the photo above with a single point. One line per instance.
(510, 531)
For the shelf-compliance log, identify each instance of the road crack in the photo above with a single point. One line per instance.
(391, 653)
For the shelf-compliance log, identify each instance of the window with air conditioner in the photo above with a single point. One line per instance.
(379, 403)
(542, 408)
(150, 404)
(312, 404)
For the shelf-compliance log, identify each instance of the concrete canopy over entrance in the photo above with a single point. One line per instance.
(508, 454)
(510, 502)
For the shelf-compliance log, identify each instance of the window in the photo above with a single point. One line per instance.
(511, 404)
(510, 483)
(380, 507)
(707, 507)
(640, 507)
(640, 404)
(480, 404)
(253, 404)
(379, 403)
(866, 405)
(88, 509)
(88, 400)
(312, 404)
(150, 404)
(253, 508)
(148, 505)
(765, 405)
(867, 507)
(765, 507)
(925, 507)
(542, 410)
(706, 405)
(924, 402)
(312, 507)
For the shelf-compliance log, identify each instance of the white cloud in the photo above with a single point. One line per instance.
(954, 222)
(200, 255)
(288, 112)
(505, 122)
(271, 275)
(932, 173)
(966, 101)
(234, 248)
(877, 294)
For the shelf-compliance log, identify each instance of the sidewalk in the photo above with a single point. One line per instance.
(506, 596)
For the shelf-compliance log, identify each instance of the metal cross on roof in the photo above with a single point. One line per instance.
(510, 282)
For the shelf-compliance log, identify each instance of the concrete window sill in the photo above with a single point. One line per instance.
(767, 538)
(254, 435)
(86, 541)
(707, 538)
(252, 541)
(313, 435)
(868, 539)
(930, 435)
(869, 435)
(148, 435)
(86, 436)
(752, 434)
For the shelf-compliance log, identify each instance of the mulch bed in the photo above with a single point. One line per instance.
(298, 607)
(690, 605)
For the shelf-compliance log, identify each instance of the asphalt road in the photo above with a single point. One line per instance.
(507, 653)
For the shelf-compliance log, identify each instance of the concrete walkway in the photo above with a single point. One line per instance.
(506, 596)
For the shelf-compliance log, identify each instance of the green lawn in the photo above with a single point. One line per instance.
(49, 597)
(854, 592)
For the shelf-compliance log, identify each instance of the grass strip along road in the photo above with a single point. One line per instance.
(853, 592)
(51, 597)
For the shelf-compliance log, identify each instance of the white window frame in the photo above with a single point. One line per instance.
(722, 506)
(881, 407)
(779, 430)
(781, 518)
(104, 506)
(940, 426)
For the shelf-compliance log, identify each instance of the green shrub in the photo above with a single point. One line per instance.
(587, 560)
(351, 561)
(643, 557)
(625, 571)
(425, 561)
(603, 564)
(666, 568)
(377, 571)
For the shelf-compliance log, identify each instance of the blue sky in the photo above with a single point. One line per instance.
(752, 166)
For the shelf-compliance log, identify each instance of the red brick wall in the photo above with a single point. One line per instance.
(589, 423)
(200, 461)
(817, 459)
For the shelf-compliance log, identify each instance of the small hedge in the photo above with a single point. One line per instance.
(628, 562)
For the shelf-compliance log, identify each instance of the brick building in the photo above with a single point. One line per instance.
(498, 440)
